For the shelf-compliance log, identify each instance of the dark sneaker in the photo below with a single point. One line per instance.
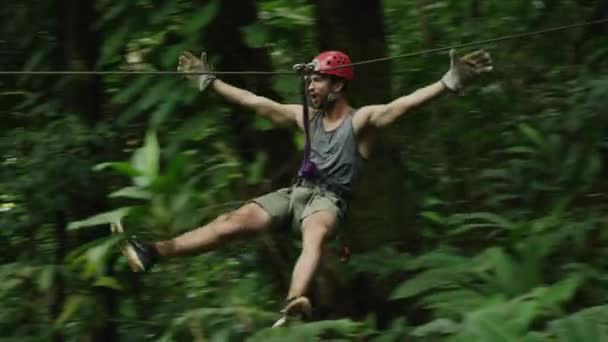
(296, 308)
(141, 256)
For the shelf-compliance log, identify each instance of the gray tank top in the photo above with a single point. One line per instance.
(335, 153)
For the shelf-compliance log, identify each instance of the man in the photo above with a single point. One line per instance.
(341, 141)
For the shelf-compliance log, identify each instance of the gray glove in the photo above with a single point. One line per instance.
(465, 68)
(188, 63)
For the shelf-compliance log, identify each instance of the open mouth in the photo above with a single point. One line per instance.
(314, 99)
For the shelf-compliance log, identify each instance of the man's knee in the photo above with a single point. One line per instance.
(318, 226)
(314, 234)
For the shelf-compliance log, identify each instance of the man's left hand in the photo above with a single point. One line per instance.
(465, 68)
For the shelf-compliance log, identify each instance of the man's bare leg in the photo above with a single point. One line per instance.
(249, 219)
(315, 230)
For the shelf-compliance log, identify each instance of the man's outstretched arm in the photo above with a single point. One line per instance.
(384, 115)
(281, 114)
(460, 71)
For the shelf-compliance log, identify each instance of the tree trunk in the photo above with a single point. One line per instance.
(79, 45)
(236, 55)
(600, 11)
(79, 49)
(58, 290)
(424, 23)
(356, 27)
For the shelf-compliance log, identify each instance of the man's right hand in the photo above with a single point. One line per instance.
(198, 70)
(190, 64)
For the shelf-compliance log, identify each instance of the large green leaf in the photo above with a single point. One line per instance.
(146, 159)
(103, 218)
(132, 192)
(71, 307)
(577, 328)
(434, 279)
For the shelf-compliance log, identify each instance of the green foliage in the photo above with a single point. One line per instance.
(499, 233)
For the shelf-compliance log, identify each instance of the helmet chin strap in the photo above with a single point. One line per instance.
(330, 102)
(332, 98)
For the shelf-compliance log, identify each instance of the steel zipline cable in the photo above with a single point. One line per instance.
(292, 72)
(480, 42)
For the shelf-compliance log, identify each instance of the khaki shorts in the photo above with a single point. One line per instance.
(288, 207)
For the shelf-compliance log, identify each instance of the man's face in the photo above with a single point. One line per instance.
(319, 86)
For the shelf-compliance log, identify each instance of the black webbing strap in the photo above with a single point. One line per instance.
(308, 168)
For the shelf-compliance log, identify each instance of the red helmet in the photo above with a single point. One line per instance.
(331, 59)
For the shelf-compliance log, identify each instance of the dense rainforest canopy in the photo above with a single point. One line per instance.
(482, 216)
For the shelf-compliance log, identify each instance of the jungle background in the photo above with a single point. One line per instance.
(482, 217)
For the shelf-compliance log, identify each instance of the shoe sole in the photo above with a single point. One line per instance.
(128, 251)
(132, 259)
(299, 306)
(280, 323)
